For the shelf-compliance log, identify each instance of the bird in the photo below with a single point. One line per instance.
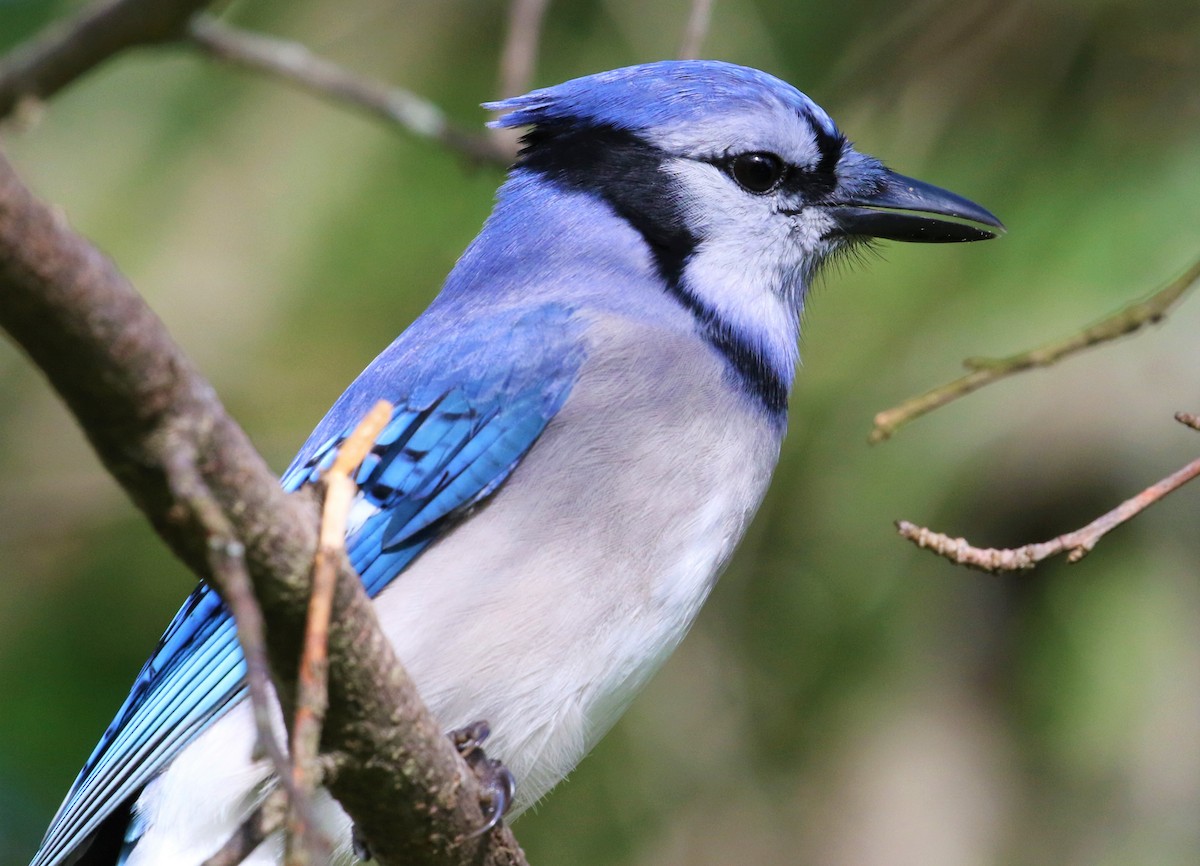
(586, 418)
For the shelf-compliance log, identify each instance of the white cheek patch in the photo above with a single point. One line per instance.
(752, 259)
(810, 231)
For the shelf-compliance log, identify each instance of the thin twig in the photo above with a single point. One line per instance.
(312, 694)
(696, 29)
(1077, 544)
(294, 64)
(266, 818)
(68, 49)
(227, 561)
(519, 57)
(984, 371)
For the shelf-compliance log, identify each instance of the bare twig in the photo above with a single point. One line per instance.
(139, 399)
(519, 57)
(312, 694)
(294, 64)
(984, 371)
(227, 560)
(266, 818)
(1077, 544)
(696, 29)
(68, 49)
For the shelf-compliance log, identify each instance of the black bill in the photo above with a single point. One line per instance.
(906, 209)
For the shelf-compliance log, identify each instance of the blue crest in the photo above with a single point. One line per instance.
(668, 92)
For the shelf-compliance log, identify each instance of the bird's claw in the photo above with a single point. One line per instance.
(499, 784)
(469, 738)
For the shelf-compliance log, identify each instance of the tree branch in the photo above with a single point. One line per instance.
(142, 404)
(294, 64)
(1076, 545)
(984, 371)
(68, 49)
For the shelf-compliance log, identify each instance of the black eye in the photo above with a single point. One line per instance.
(757, 172)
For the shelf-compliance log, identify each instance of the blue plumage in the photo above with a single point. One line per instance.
(658, 96)
(586, 418)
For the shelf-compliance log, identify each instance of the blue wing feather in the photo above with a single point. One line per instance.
(466, 413)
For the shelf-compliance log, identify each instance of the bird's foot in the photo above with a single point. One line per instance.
(499, 785)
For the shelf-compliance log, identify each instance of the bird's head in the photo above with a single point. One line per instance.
(740, 185)
(709, 159)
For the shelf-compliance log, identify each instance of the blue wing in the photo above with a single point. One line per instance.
(464, 418)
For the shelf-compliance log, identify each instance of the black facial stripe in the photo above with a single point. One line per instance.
(814, 182)
(831, 146)
(749, 364)
(626, 171)
(623, 170)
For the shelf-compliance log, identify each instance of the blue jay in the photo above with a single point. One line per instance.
(588, 415)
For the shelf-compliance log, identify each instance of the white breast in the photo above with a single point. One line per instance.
(549, 609)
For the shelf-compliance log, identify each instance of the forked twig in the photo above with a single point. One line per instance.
(984, 371)
(1077, 544)
(227, 561)
(312, 695)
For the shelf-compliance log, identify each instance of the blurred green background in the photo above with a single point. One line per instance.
(844, 699)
